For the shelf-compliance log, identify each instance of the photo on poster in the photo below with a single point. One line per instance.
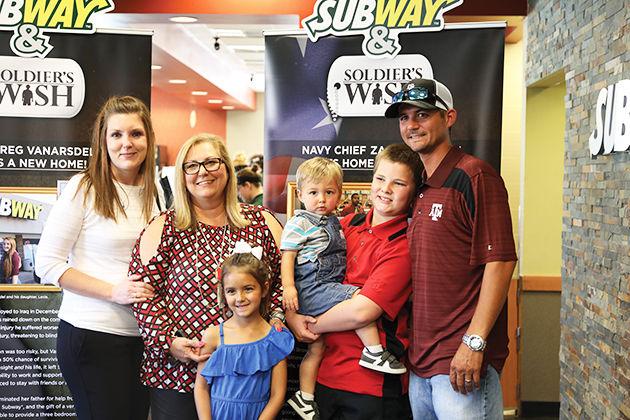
(22, 219)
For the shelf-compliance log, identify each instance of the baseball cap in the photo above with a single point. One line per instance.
(423, 93)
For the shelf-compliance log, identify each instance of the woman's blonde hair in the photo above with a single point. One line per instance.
(7, 266)
(184, 214)
(99, 176)
(319, 169)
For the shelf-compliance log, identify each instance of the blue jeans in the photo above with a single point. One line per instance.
(434, 398)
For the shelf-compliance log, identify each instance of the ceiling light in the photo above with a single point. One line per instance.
(183, 19)
(252, 48)
(199, 93)
(177, 81)
(227, 107)
(215, 101)
(156, 67)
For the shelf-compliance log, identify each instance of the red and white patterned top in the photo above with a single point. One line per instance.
(178, 304)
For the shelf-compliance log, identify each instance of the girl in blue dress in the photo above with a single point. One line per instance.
(246, 374)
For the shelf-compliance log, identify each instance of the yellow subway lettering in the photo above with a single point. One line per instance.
(390, 11)
(38, 12)
(84, 10)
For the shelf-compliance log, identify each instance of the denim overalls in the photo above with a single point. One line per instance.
(319, 282)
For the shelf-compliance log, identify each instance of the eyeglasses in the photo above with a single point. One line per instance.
(418, 94)
(210, 165)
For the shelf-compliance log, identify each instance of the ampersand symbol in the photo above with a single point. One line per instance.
(379, 43)
(28, 42)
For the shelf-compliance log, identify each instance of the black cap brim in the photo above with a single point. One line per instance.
(392, 110)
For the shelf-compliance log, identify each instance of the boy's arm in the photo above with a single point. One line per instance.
(278, 391)
(289, 292)
(202, 391)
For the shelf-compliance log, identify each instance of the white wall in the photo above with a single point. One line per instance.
(245, 129)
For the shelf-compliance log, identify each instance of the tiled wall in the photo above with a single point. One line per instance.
(589, 40)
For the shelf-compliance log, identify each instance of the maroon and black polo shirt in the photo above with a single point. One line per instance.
(461, 221)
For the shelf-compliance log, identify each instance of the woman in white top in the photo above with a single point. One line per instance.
(85, 248)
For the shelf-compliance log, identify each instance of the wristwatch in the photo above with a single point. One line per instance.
(474, 342)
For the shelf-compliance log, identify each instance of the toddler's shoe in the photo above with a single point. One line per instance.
(306, 409)
(383, 361)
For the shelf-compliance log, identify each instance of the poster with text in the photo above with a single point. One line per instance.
(328, 99)
(48, 105)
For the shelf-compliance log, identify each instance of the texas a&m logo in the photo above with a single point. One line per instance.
(436, 212)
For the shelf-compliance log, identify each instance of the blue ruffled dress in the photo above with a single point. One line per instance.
(239, 375)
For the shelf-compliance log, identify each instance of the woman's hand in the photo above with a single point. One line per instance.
(299, 326)
(186, 350)
(131, 290)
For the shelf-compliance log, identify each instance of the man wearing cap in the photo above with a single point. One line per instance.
(463, 255)
(249, 186)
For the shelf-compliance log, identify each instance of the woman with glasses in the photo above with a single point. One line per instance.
(85, 249)
(179, 254)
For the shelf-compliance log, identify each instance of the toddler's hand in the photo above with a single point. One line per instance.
(290, 298)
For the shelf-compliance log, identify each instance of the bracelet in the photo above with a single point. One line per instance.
(279, 315)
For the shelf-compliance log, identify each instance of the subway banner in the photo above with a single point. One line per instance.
(47, 108)
(327, 98)
(48, 105)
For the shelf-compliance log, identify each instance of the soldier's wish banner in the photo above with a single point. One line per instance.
(48, 105)
(328, 99)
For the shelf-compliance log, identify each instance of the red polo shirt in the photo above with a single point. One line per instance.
(378, 262)
(461, 221)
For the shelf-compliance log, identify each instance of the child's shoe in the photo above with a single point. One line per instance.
(382, 361)
(306, 409)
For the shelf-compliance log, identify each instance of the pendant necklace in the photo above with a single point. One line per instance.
(217, 262)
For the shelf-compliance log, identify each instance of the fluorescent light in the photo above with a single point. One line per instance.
(227, 107)
(156, 67)
(199, 93)
(228, 33)
(215, 101)
(177, 81)
(183, 19)
(252, 48)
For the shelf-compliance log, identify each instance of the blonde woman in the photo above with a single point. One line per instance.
(10, 263)
(179, 255)
(85, 249)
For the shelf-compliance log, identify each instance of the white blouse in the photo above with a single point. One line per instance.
(76, 236)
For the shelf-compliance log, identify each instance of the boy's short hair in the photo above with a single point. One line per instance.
(318, 169)
(401, 153)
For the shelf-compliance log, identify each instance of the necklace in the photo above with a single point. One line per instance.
(217, 262)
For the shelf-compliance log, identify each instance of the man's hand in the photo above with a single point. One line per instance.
(290, 298)
(299, 325)
(465, 373)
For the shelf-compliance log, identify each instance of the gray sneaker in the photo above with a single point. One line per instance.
(382, 362)
(306, 409)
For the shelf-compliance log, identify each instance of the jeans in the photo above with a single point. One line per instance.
(434, 398)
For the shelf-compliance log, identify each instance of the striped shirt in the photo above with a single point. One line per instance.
(301, 235)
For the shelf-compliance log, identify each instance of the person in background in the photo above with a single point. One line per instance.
(463, 255)
(179, 254)
(249, 185)
(353, 207)
(10, 263)
(239, 162)
(85, 249)
(246, 375)
(256, 162)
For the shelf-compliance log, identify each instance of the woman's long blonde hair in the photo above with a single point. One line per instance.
(7, 266)
(99, 176)
(185, 217)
